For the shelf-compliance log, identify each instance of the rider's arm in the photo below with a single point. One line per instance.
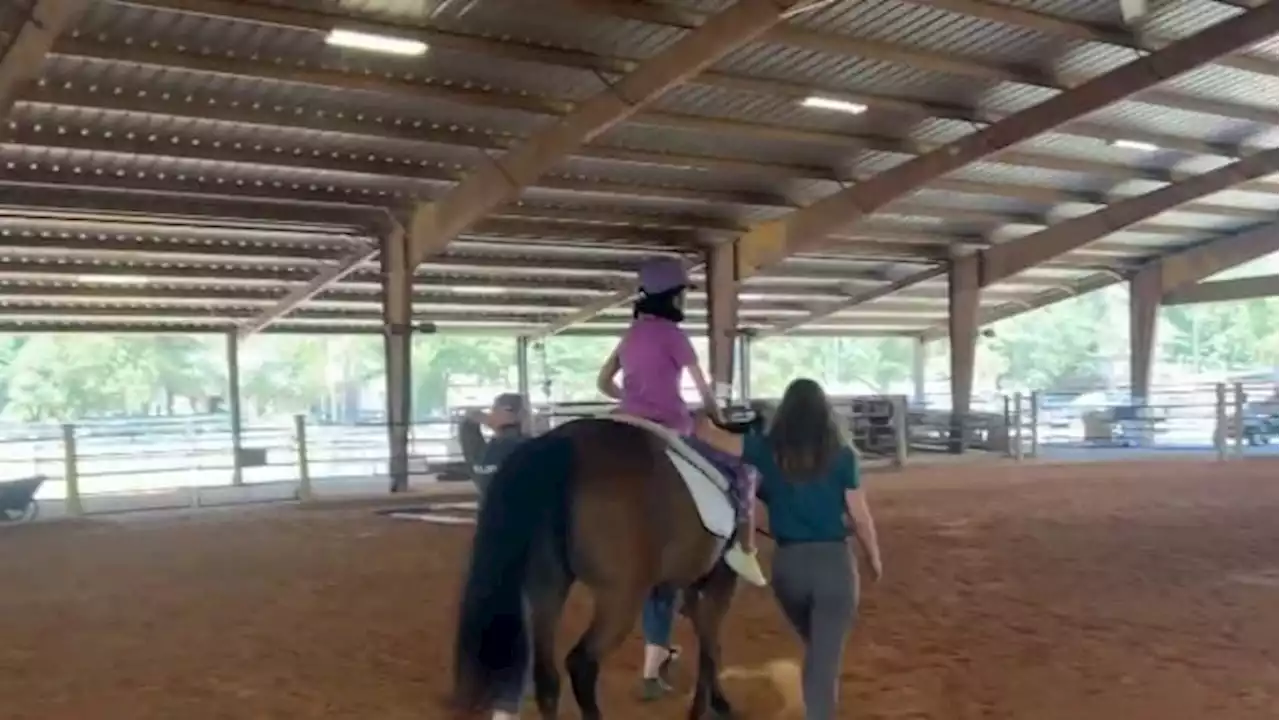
(687, 357)
(606, 381)
(705, 392)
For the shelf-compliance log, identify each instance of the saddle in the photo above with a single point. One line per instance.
(707, 484)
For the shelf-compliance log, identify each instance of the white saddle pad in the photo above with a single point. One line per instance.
(707, 485)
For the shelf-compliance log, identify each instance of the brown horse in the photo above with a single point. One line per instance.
(598, 502)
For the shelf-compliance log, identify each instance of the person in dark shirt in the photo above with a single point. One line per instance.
(810, 484)
(506, 418)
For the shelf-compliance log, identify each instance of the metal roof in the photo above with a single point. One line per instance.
(184, 164)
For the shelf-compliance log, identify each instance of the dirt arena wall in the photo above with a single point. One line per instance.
(1045, 592)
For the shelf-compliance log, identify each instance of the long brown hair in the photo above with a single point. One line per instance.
(804, 435)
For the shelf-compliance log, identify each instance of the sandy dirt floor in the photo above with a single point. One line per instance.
(1129, 591)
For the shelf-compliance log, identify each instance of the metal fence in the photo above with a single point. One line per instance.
(1221, 420)
(128, 464)
(160, 463)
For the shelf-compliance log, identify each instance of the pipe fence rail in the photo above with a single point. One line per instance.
(166, 463)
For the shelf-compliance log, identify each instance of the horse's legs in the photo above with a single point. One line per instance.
(615, 615)
(546, 598)
(713, 597)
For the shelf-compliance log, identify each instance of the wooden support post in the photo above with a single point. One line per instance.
(1035, 424)
(722, 315)
(304, 466)
(522, 380)
(1144, 311)
(1018, 449)
(919, 359)
(900, 436)
(233, 408)
(1220, 421)
(1238, 419)
(964, 283)
(744, 367)
(397, 314)
(71, 472)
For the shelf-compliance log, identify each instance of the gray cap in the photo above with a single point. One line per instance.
(513, 402)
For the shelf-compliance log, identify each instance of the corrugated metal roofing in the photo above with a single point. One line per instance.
(153, 112)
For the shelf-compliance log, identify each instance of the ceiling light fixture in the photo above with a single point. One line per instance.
(1135, 145)
(375, 43)
(821, 103)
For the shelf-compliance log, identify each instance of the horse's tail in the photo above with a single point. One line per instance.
(528, 497)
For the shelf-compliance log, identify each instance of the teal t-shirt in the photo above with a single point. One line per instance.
(807, 511)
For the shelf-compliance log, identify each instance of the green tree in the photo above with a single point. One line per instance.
(1070, 344)
(571, 363)
(323, 375)
(439, 360)
(68, 377)
(844, 365)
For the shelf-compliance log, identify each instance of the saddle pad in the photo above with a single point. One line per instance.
(707, 484)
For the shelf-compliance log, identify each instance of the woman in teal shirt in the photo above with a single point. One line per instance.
(809, 483)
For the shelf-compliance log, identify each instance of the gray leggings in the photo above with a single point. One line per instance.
(816, 585)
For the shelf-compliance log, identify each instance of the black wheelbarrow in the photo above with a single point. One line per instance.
(18, 499)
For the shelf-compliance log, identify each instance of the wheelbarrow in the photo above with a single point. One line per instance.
(18, 499)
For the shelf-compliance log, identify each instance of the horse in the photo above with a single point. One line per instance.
(604, 502)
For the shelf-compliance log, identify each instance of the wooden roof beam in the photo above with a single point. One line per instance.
(1208, 257)
(339, 80)
(1044, 298)
(434, 224)
(838, 44)
(1005, 260)
(1246, 288)
(1056, 26)
(202, 147)
(1191, 265)
(770, 242)
(23, 57)
(855, 299)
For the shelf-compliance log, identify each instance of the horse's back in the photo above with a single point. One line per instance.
(630, 507)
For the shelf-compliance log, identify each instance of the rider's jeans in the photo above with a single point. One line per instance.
(659, 616)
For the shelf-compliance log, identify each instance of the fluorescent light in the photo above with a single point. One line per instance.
(113, 279)
(375, 43)
(844, 106)
(1135, 145)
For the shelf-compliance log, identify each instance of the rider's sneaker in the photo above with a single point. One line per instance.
(654, 688)
(746, 564)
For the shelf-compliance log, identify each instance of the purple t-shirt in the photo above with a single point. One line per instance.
(653, 355)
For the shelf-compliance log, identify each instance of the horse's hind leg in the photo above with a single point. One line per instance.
(710, 605)
(615, 615)
(546, 598)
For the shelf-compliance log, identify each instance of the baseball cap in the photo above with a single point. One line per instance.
(662, 274)
(512, 402)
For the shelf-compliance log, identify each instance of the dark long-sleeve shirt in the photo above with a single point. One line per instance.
(504, 442)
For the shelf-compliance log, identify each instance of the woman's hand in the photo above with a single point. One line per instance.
(877, 567)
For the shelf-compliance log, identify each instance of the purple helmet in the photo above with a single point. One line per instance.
(662, 274)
